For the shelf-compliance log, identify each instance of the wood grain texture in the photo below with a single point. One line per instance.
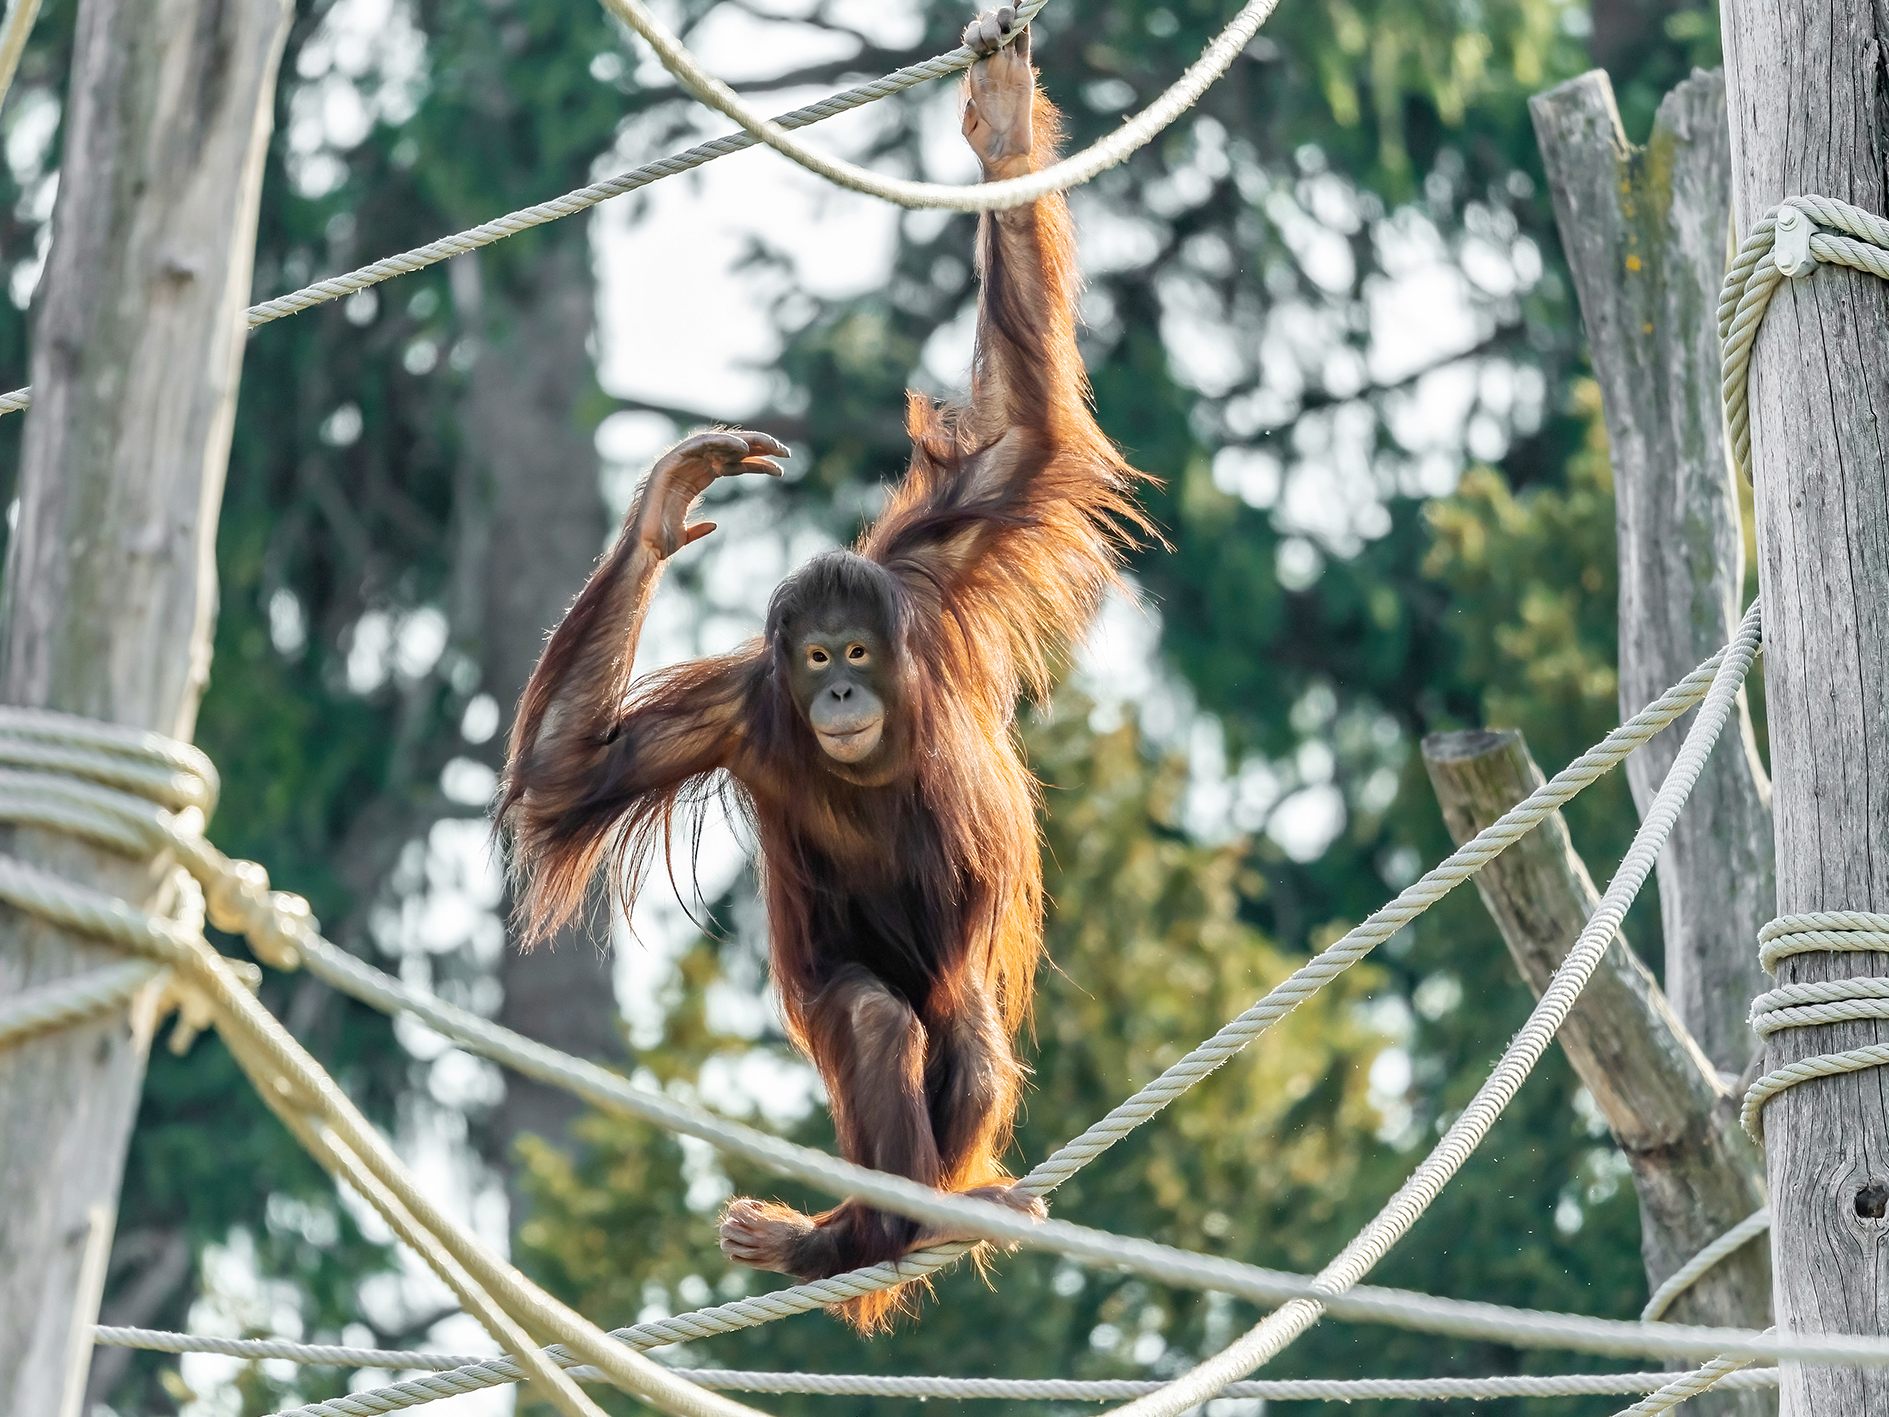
(110, 581)
(1809, 100)
(1645, 230)
(1673, 1117)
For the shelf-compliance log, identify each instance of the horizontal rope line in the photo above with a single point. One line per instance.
(73, 1001)
(1003, 1389)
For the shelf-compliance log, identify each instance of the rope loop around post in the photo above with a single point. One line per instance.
(1791, 239)
(1816, 1002)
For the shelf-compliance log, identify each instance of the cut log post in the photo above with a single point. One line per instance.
(1696, 1172)
(110, 581)
(1809, 99)
(1645, 231)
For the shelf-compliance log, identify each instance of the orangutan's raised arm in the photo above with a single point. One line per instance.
(1016, 507)
(591, 759)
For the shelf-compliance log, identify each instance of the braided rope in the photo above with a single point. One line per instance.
(582, 199)
(1724, 1372)
(1071, 171)
(1706, 1260)
(1862, 243)
(1817, 1002)
(73, 1001)
(922, 1387)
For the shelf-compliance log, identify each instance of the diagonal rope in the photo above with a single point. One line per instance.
(282, 1069)
(1706, 1260)
(359, 980)
(1719, 1373)
(515, 1312)
(1809, 1004)
(1279, 1330)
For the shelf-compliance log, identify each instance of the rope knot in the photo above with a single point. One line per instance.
(276, 923)
(194, 1005)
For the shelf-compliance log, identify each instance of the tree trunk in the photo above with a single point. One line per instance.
(538, 526)
(1809, 90)
(1696, 1172)
(110, 582)
(1644, 230)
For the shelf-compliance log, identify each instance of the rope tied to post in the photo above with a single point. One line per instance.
(1792, 239)
(1816, 1002)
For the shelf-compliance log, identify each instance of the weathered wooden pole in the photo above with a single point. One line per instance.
(1644, 231)
(110, 583)
(1671, 1114)
(1809, 100)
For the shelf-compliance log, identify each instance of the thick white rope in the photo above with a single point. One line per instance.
(1071, 171)
(1719, 1373)
(582, 199)
(1817, 1002)
(73, 1001)
(1708, 1259)
(14, 29)
(921, 1387)
(1859, 240)
(1278, 1330)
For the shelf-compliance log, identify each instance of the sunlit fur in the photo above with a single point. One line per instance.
(990, 558)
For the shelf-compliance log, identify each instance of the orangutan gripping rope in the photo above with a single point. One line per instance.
(870, 733)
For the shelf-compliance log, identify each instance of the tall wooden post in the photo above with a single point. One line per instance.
(110, 580)
(1808, 88)
(1644, 231)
